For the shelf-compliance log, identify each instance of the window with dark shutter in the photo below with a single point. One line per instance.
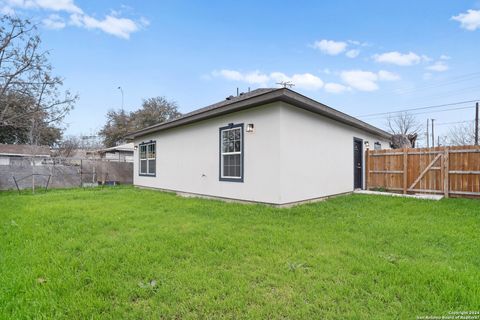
(231, 153)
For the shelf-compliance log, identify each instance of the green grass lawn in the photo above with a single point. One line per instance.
(125, 253)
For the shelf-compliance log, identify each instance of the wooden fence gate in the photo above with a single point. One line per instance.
(451, 171)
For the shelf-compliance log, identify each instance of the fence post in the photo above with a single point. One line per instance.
(405, 170)
(33, 175)
(81, 172)
(446, 175)
(367, 169)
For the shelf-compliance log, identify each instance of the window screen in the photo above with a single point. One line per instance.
(148, 158)
(231, 157)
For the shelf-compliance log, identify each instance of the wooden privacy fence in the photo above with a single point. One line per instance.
(451, 171)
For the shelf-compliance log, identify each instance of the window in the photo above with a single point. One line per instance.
(231, 153)
(377, 146)
(147, 158)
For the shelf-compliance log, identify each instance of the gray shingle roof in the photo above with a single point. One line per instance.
(230, 100)
(255, 98)
(24, 150)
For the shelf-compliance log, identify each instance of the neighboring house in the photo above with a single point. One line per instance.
(10, 152)
(269, 145)
(121, 153)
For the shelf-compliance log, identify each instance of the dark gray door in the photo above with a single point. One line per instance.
(357, 163)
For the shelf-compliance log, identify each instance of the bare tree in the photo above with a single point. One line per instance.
(462, 134)
(405, 129)
(30, 95)
(68, 145)
(403, 123)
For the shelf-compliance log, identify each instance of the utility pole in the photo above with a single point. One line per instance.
(121, 90)
(433, 133)
(428, 137)
(123, 113)
(476, 124)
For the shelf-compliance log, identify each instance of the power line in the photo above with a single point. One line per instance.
(450, 93)
(455, 122)
(392, 115)
(417, 108)
(454, 80)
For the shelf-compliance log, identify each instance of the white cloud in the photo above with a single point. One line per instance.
(332, 87)
(330, 47)
(7, 10)
(400, 59)
(54, 5)
(256, 77)
(231, 75)
(387, 76)
(353, 79)
(469, 20)
(353, 53)
(358, 43)
(445, 57)
(366, 80)
(305, 81)
(54, 21)
(120, 27)
(334, 48)
(111, 24)
(360, 80)
(228, 74)
(438, 66)
(253, 77)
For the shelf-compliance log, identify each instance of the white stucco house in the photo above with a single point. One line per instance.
(272, 146)
(120, 153)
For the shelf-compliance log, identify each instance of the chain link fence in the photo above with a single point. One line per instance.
(44, 173)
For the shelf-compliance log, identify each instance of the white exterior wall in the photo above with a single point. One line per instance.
(188, 157)
(293, 155)
(316, 155)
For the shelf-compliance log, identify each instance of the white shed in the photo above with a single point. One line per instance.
(272, 146)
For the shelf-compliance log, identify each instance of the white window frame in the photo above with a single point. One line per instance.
(147, 158)
(223, 177)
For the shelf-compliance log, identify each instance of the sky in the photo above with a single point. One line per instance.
(360, 57)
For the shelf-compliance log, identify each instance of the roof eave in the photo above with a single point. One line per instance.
(10, 154)
(301, 101)
(285, 95)
(255, 101)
